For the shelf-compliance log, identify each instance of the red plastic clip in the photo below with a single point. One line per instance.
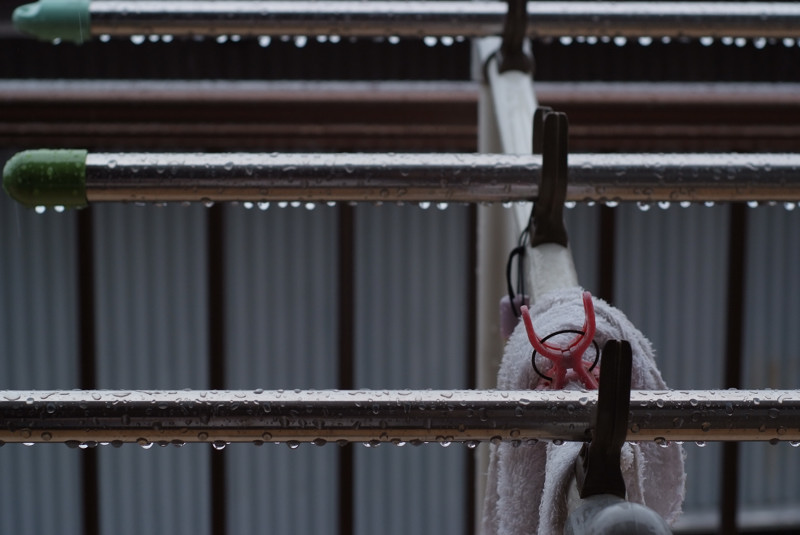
(571, 356)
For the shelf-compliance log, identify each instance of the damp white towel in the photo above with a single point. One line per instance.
(526, 491)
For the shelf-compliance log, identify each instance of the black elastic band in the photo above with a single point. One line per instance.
(565, 331)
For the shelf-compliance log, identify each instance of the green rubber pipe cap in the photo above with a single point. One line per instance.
(47, 20)
(47, 177)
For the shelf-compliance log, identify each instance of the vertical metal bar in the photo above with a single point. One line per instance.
(737, 261)
(607, 250)
(346, 380)
(216, 347)
(471, 344)
(87, 359)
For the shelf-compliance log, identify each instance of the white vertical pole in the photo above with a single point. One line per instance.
(505, 125)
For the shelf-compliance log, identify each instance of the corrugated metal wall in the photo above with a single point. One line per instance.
(281, 318)
(281, 332)
(151, 310)
(671, 276)
(772, 338)
(38, 349)
(412, 305)
(583, 223)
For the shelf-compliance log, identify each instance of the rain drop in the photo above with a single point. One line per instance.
(701, 443)
(685, 204)
(137, 39)
(664, 205)
(446, 40)
(645, 41)
(789, 206)
(300, 41)
(293, 444)
(706, 41)
(105, 38)
(740, 42)
(424, 205)
(295, 204)
(219, 445)
(60, 209)
(393, 39)
(727, 41)
(759, 43)
(264, 41)
(322, 38)
(334, 38)
(166, 38)
(661, 441)
(794, 443)
(471, 444)
(40, 209)
(565, 40)
(708, 204)
(558, 442)
(620, 40)
(612, 204)
(263, 206)
(310, 206)
(430, 40)
(643, 206)
(153, 38)
(752, 204)
(441, 205)
(248, 205)
(569, 205)
(222, 39)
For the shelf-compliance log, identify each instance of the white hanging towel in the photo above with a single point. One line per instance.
(526, 491)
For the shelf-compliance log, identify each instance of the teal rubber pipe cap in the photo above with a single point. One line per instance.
(47, 20)
(46, 177)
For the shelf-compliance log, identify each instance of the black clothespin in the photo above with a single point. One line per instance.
(547, 220)
(538, 128)
(511, 56)
(597, 469)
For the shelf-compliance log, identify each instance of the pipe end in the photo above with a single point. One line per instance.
(47, 20)
(46, 177)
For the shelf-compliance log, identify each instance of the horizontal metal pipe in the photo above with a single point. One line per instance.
(143, 177)
(377, 416)
(466, 18)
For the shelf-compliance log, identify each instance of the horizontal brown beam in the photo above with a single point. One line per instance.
(386, 116)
